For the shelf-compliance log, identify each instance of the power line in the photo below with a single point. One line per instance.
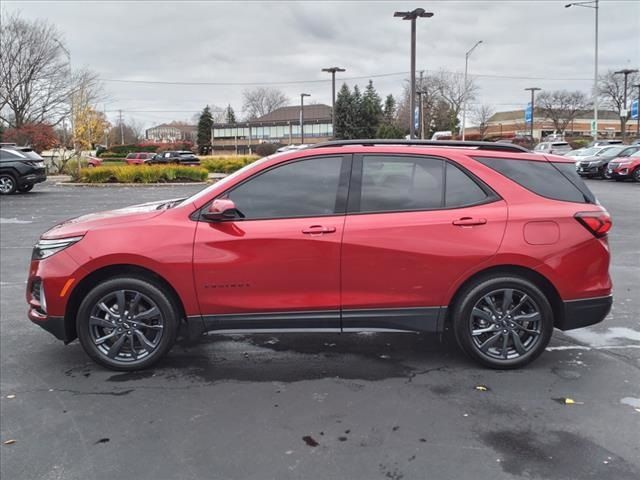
(362, 77)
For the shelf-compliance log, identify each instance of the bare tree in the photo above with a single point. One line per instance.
(562, 107)
(482, 114)
(34, 73)
(262, 100)
(611, 92)
(453, 89)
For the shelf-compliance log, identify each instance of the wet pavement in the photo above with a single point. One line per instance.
(353, 406)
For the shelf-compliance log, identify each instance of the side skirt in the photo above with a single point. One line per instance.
(425, 319)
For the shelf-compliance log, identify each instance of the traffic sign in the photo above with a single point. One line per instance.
(416, 118)
(634, 110)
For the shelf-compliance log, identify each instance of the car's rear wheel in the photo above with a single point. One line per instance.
(25, 188)
(127, 323)
(8, 184)
(503, 321)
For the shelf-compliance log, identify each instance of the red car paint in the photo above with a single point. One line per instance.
(359, 261)
(625, 167)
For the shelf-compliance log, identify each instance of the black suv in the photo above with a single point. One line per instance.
(182, 157)
(20, 169)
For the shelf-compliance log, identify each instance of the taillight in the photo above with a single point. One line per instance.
(598, 223)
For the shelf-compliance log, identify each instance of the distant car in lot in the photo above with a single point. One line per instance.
(181, 157)
(94, 162)
(623, 168)
(584, 152)
(596, 166)
(288, 148)
(555, 148)
(496, 243)
(20, 169)
(604, 143)
(139, 158)
(635, 141)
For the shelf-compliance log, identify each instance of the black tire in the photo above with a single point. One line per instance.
(8, 184)
(483, 347)
(636, 175)
(26, 188)
(128, 354)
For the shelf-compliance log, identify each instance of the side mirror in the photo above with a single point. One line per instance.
(222, 209)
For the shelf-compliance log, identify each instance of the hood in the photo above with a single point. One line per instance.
(135, 213)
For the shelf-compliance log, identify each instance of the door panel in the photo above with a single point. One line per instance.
(409, 259)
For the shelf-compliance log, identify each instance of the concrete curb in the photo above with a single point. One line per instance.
(176, 184)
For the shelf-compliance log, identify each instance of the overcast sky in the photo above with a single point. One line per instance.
(279, 42)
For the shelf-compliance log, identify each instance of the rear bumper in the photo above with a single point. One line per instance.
(33, 177)
(584, 312)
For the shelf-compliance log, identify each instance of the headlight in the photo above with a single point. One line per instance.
(46, 248)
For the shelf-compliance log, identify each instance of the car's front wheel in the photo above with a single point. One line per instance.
(636, 174)
(127, 323)
(8, 184)
(503, 321)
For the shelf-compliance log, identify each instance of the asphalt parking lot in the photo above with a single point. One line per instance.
(351, 406)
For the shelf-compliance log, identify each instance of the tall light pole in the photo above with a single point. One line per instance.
(466, 85)
(533, 91)
(413, 15)
(302, 95)
(638, 114)
(595, 5)
(626, 72)
(332, 71)
(71, 92)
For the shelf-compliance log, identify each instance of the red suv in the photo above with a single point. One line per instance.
(500, 244)
(623, 168)
(139, 158)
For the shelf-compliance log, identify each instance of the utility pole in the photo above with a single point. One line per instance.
(413, 15)
(623, 113)
(466, 86)
(332, 71)
(121, 127)
(302, 95)
(533, 90)
(595, 5)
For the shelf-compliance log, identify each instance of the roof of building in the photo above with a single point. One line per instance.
(284, 114)
(519, 115)
(183, 127)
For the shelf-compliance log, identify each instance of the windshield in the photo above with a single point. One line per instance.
(590, 151)
(610, 151)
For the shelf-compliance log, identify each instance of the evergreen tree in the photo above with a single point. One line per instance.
(370, 112)
(343, 128)
(389, 111)
(357, 125)
(389, 130)
(230, 115)
(205, 124)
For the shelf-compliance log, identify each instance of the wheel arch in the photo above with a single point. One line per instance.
(534, 277)
(104, 273)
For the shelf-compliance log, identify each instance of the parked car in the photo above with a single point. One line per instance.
(604, 143)
(94, 162)
(20, 169)
(483, 238)
(584, 152)
(182, 157)
(287, 148)
(596, 166)
(556, 148)
(623, 168)
(635, 141)
(139, 158)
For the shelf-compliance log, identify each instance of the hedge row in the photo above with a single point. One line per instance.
(143, 174)
(226, 164)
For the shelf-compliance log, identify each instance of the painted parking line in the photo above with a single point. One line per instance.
(583, 347)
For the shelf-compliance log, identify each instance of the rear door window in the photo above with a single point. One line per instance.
(551, 180)
(461, 190)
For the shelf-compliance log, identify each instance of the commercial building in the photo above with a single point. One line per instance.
(172, 132)
(511, 123)
(282, 126)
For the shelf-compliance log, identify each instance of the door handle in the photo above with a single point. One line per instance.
(469, 221)
(318, 230)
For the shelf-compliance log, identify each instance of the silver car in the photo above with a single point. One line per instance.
(556, 148)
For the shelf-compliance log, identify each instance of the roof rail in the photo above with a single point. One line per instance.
(499, 147)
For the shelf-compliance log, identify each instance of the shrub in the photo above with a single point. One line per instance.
(265, 149)
(229, 164)
(143, 174)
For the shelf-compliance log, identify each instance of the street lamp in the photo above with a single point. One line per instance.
(592, 4)
(302, 95)
(332, 71)
(626, 72)
(466, 86)
(413, 15)
(533, 90)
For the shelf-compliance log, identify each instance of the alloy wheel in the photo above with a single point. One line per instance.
(126, 326)
(505, 324)
(7, 184)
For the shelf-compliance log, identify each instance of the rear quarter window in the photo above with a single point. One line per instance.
(558, 181)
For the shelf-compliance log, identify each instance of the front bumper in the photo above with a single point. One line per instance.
(584, 312)
(585, 171)
(619, 172)
(54, 325)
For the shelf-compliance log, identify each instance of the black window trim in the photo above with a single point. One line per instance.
(587, 200)
(342, 194)
(353, 206)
